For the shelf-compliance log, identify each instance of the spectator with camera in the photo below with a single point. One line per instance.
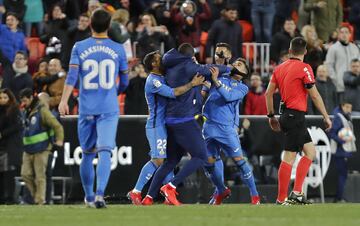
(187, 19)
(151, 37)
(352, 86)
(342, 144)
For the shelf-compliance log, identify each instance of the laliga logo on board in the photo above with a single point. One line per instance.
(122, 156)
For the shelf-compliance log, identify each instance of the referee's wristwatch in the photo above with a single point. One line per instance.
(272, 115)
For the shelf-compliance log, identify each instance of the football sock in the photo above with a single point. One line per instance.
(247, 176)
(103, 170)
(284, 175)
(219, 168)
(301, 172)
(169, 177)
(215, 175)
(145, 175)
(159, 177)
(87, 175)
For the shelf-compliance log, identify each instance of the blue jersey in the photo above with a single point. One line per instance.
(222, 105)
(156, 94)
(99, 61)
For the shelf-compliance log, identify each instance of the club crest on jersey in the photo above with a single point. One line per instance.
(156, 83)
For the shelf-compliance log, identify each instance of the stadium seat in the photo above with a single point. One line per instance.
(247, 30)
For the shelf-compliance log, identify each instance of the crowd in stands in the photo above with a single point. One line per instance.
(36, 37)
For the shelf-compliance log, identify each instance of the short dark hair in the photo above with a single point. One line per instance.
(22, 53)
(186, 49)
(289, 19)
(355, 60)
(148, 60)
(298, 46)
(27, 92)
(100, 20)
(230, 7)
(248, 71)
(223, 44)
(12, 14)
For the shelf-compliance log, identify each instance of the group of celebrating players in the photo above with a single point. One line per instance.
(174, 91)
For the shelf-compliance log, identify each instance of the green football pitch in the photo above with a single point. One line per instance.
(187, 215)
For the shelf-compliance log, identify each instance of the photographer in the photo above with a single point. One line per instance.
(188, 19)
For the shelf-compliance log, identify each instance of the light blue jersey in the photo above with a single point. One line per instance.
(222, 105)
(156, 94)
(99, 61)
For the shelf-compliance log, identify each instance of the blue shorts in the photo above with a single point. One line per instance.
(157, 138)
(97, 132)
(220, 137)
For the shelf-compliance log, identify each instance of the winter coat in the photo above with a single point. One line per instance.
(11, 42)
(338, 60)
(328, 93)
(352, 89)
(279, 43)
(11, 136)
(327, 19)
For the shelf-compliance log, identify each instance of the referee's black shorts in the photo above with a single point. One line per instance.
(292, 123)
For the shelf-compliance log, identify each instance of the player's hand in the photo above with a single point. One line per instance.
(274, 124)
(328, 124)
(63, 108)
(214, 73)
(197, 80)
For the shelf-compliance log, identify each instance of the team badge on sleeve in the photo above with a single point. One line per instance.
(156, 83)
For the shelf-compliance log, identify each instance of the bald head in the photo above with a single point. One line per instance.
(54, 66)
(322, 72)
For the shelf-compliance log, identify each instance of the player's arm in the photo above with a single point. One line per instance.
(123, 71)
(228, 93)
(166, 91)
(205, 69)
(319, 104)
(70, 82)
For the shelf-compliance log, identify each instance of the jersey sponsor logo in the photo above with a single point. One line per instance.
(306, 70)
(156, 83)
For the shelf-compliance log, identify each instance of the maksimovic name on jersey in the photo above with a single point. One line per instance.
(99, 48)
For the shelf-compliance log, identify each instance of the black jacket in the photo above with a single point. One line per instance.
(352, 89)
(11, 135)
(280, 42)
(228, 32)
(328, 93)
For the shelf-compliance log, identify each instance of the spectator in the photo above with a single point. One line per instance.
(11, 39)
(315, 53)
(34, 15)
(10, 144)
(262, 15)
(220, 30)
(255, 103)
(55, 33)
(55, 88)
(39, 75)
(118, 31)
(135, 103)
(304, 17)
(161, 12)
(354, 18)
(327, 16)
(281, 40)
(150, 36)
(92, 6)
(15, 6)
(216, 8)
(16, 76)
(343, 147)
(75, 34)
(338, 59)
(283, 9)
(188, 19)
(39, 121)
(352, 86)
(326, 89)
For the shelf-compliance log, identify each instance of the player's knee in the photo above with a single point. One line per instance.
(158, 162)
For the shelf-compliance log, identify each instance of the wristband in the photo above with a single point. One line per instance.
(272, 115)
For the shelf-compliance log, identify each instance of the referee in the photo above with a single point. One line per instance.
(295, 80)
